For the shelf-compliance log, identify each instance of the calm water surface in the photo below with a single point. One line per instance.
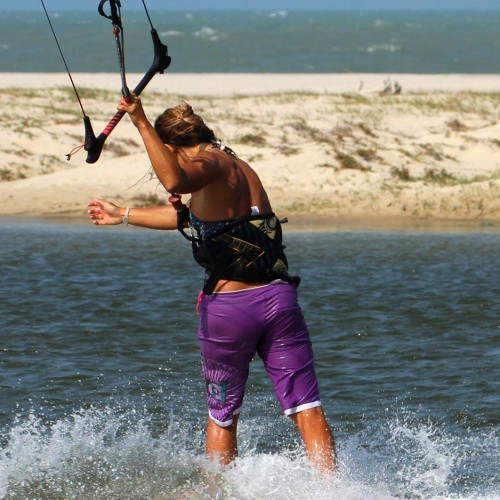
(101, 388)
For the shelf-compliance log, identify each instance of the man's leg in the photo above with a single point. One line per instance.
(317, 436)
(221, 442)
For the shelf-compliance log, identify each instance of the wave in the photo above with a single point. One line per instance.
(385, 47)
(209, 34)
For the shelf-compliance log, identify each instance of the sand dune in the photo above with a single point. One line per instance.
(329, 148)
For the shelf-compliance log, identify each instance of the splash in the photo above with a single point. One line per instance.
(121, 454)
(421, 459)
(94, 454)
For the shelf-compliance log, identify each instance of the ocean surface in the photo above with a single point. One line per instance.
(101, 394)
(258, 42)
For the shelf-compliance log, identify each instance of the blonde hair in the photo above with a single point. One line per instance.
(181, 126)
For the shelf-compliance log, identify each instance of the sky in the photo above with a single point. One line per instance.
(186, 5)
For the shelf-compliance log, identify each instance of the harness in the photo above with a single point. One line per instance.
(248, 249)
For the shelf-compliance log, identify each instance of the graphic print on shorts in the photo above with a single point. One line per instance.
(217, 390)
(225, 386)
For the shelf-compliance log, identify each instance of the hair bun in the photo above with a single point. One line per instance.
(181, 126)
(184, 110)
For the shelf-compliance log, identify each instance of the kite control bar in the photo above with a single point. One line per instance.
(93, 145)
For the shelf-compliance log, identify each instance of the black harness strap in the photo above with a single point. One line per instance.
(182, 214)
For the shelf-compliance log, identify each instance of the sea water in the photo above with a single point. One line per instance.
(257, 41)
(102, 397)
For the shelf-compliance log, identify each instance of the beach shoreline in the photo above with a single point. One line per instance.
(227, 84)
(300, 223)
(333, 150)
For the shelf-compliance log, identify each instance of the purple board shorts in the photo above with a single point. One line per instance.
(266, 320)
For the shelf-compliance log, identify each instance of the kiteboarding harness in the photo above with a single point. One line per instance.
(247, 249)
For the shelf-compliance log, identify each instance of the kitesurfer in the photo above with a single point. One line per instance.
(249, 303)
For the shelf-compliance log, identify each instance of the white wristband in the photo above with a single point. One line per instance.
(125, 217)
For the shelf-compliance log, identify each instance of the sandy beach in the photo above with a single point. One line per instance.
(356, 149)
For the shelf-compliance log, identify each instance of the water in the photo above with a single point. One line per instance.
(101, 387)
(259, 41)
